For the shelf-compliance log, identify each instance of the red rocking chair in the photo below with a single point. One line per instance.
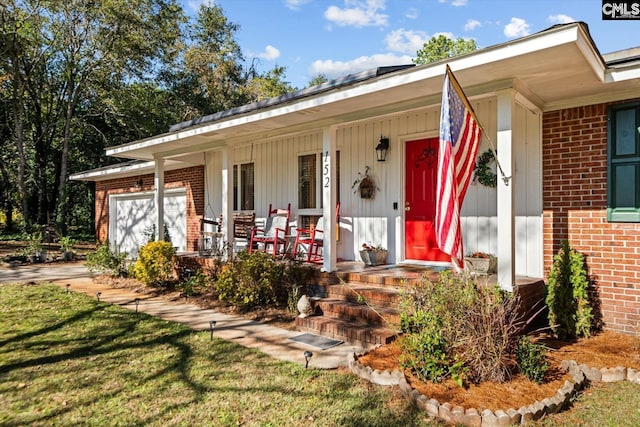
(313, 239)
(274, 232)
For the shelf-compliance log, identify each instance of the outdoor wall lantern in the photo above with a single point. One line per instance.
(138, 184)
(382, 148)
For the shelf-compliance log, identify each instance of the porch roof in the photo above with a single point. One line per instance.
(556, 68)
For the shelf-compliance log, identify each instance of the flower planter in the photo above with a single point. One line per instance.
(374, 257)
(481, 265)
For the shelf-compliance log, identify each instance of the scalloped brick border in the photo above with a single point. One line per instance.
(581, 375)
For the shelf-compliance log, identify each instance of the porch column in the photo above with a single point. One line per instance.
(329, 199)
(505, 204)
(158, 183)
(227, 195)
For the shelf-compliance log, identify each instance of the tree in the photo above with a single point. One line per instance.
(268, 85)
(58, 55)
(77, 76)
(318, 79)
(442, 47)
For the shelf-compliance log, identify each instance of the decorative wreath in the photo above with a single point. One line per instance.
(484, 172)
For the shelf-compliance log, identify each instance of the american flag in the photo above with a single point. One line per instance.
(459, 140)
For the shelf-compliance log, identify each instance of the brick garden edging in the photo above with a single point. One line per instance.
(581, 375)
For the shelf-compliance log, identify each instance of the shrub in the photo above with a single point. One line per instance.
(456, 328)
(531, 359)
(155, 264)
(570, 314)
(257, 279)
(195, 284)
(104, 260)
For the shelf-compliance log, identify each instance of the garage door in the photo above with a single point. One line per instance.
(132, 216)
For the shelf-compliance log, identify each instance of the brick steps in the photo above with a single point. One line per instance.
(373, 295)
(355, 333)
(356, 307)
(356, 312)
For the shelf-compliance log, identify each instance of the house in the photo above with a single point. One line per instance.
(564, 119)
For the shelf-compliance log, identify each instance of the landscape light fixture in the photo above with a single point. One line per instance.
(137, 301)
(98, 295)
(307, 356)
(212, 324)
(382, 148)
(68, 286)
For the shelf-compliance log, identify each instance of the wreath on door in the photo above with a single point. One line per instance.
(484, 169)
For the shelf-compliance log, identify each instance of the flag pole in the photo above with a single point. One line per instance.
(458, 88)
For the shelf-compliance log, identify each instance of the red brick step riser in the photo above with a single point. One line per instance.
(377, 297)
(358, 313)
(350, 332)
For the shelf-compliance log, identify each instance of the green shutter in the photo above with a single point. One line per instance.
(623, 158)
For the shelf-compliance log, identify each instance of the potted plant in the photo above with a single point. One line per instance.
(66, 247)
(373, 255)
(365, 185)
(481, 263)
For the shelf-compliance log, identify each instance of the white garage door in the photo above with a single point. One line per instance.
(132, 216)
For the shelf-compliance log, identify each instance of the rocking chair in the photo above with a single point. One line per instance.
(274, 232)
(313, 239)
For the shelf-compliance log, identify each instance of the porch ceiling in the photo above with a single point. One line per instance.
(556, 68)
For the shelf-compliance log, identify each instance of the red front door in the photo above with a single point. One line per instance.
(420, 201)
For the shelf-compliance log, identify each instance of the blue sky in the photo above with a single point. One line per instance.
(340, 37)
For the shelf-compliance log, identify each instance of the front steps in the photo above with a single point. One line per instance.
(357, 307)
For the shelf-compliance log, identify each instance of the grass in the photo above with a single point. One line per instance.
(67, 359)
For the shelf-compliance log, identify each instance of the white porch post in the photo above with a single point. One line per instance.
(329, 199)
(227, 195)
(158, 183)
(505, 205)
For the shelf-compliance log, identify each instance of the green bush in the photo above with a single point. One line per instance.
(195, 284)
(155, 264)
(570, 313)
(104, 260)
(456, 328)
(531, 359)
(257, 279)
(425, 351)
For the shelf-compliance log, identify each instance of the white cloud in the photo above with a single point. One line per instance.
(411, 13)
(455, 3)
(270, 53)
(195, 4)
(517, 28)
(406, 41)
(560, 19)
(472, 24)
(295, 4)
(358, 13)
(334, 69)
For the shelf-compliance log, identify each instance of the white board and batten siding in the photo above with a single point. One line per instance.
(380, 221)
(131, 215)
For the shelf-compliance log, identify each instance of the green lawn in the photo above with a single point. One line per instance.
(66, 359)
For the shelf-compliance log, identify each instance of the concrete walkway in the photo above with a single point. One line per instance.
(275, 342)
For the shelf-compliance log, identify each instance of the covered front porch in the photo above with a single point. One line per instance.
(308, 149)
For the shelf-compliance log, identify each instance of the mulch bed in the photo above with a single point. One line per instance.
(604, 350)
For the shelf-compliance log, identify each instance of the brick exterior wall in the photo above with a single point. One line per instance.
(575, 203)
(192, 179)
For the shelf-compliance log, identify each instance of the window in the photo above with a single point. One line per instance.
(623, 183)
(309, 186)
(307, 181)
(243, 194)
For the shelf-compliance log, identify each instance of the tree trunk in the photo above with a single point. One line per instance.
(18, 132)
